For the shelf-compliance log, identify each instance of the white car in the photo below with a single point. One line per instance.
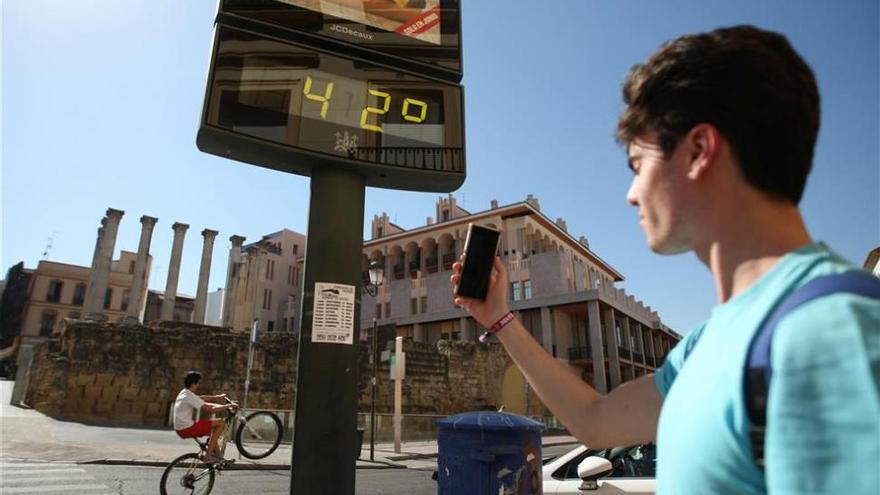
(621, 470)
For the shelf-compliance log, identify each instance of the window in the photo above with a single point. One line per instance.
(47, 323)
(620, 340)
(379, 232)
(424, 304)
(270, 270)
(125, 296)
(514, 290)
(291, 324)
(388, 310)
(290, 275)
(379, 311)
(108, 298)
(527, 289)
(79, 294)
(54, 292)
(267, 299)
(131, 266)
(413, 306)
(270, 326)
(295, 248)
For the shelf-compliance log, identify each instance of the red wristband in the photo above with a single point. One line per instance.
(495, 328)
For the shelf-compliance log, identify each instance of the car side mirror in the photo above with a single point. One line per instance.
(591, 469)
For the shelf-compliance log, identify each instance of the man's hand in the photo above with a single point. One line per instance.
(495, 306)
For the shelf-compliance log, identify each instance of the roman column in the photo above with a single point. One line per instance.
(93, 309)
(139, 278)
(167, 311)
(231, 273)
(204, 275)
(95, 256)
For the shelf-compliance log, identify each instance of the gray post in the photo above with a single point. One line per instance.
(167, 311)
(139, 278)
(325, 425)
(204, 275)
(99, 278)
(231, 273)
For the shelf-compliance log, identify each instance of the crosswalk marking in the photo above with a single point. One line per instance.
(41, 479)
(45, 478)
(52, 488)
(34, 465)
(16, 472)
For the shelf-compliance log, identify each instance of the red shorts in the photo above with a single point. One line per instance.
(201, 428)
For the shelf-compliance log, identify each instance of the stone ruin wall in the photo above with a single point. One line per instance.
(106, 373)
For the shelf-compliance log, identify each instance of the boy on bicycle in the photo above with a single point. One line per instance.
(187, 403)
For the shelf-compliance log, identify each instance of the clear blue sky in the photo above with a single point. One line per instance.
(101, 101)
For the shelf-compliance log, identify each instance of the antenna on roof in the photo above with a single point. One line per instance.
(49, 245)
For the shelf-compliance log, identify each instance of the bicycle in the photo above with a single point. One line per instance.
(257, 436)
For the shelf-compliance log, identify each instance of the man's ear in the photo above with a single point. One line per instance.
(704, 144)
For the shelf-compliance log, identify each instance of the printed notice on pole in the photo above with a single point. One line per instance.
(333, 314)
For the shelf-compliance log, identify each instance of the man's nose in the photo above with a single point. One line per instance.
(631, 196)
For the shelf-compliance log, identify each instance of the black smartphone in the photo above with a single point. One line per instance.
(480, 247)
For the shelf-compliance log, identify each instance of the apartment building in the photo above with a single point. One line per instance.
(561, 290)
(58, 291)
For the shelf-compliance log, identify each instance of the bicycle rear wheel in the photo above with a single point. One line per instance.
(259, 435)
(187, 475)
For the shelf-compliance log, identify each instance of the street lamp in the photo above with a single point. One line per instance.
(377, 272)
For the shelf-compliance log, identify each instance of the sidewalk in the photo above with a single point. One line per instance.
(26, 434)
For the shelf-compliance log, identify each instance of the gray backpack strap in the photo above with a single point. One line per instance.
(758, 370)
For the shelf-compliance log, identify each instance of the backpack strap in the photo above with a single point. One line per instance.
(758, 370)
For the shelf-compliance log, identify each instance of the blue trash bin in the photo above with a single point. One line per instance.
(489, 453)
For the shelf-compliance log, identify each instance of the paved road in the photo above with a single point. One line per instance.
(81, 479)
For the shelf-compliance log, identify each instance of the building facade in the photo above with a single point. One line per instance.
(184, 307)
(560, 289)
(267, 283)
(58, 291)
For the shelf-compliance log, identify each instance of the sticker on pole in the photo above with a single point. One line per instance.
(333, 314)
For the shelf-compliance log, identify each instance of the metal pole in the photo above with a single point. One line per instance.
(373, 393)
(250, 363)
(398, 392)
(325, 446)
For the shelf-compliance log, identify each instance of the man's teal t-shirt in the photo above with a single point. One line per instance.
(823, 415)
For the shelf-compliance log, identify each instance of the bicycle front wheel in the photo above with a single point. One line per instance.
(187, 475)
(258, 435)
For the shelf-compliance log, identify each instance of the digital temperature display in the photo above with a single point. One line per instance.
(290, 107)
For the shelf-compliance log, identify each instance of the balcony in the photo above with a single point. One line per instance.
(398, 272)
(414, 268)
(431, 265)
(624, 352)
(448, 260)
(580, 353)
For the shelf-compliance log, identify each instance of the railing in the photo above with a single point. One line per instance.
(448, 260)
(398, 272)
(427, 158)
(518, 265)
(580, 353)
(431, 264)
(417, 283)
(623, 352)
(637, 356)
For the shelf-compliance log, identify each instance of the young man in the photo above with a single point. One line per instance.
(186, 405)
(720, 129)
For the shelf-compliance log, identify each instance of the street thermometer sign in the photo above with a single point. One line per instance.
(351, 93)
(370, 87)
